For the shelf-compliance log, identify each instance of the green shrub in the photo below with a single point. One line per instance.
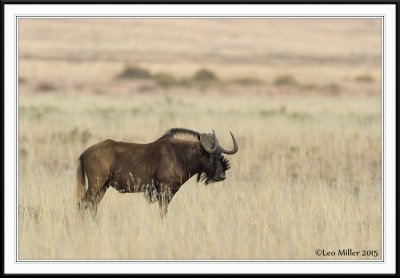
(46, 87)
(285, 80)
(134, 72)
(205, 76)
(365, 78)
(247, 80)
(165, 79)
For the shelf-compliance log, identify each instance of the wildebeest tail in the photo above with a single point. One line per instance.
(80, 180)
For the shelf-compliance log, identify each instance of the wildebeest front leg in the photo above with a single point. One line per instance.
(164, 197)
(163, 202)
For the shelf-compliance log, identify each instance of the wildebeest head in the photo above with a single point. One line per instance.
(213, 164)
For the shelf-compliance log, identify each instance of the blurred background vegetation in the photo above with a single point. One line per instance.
(263, 56)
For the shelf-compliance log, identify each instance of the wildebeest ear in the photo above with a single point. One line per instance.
(207, 140)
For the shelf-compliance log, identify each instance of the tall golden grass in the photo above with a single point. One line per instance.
(307, 176)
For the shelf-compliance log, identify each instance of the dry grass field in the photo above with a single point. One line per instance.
(308, 172)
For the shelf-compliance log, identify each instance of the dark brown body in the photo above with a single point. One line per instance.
(158, 169)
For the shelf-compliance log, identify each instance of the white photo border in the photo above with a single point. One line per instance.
(384, 11)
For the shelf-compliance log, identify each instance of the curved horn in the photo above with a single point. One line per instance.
(207, 148)
(235, 146)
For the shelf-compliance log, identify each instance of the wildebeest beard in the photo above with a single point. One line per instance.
(202, 176)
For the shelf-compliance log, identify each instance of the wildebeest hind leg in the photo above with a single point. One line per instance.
(100, 195)
(93, 197)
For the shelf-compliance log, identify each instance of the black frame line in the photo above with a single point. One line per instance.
(198, 2)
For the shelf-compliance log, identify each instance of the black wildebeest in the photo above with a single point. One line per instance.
(158, 169)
